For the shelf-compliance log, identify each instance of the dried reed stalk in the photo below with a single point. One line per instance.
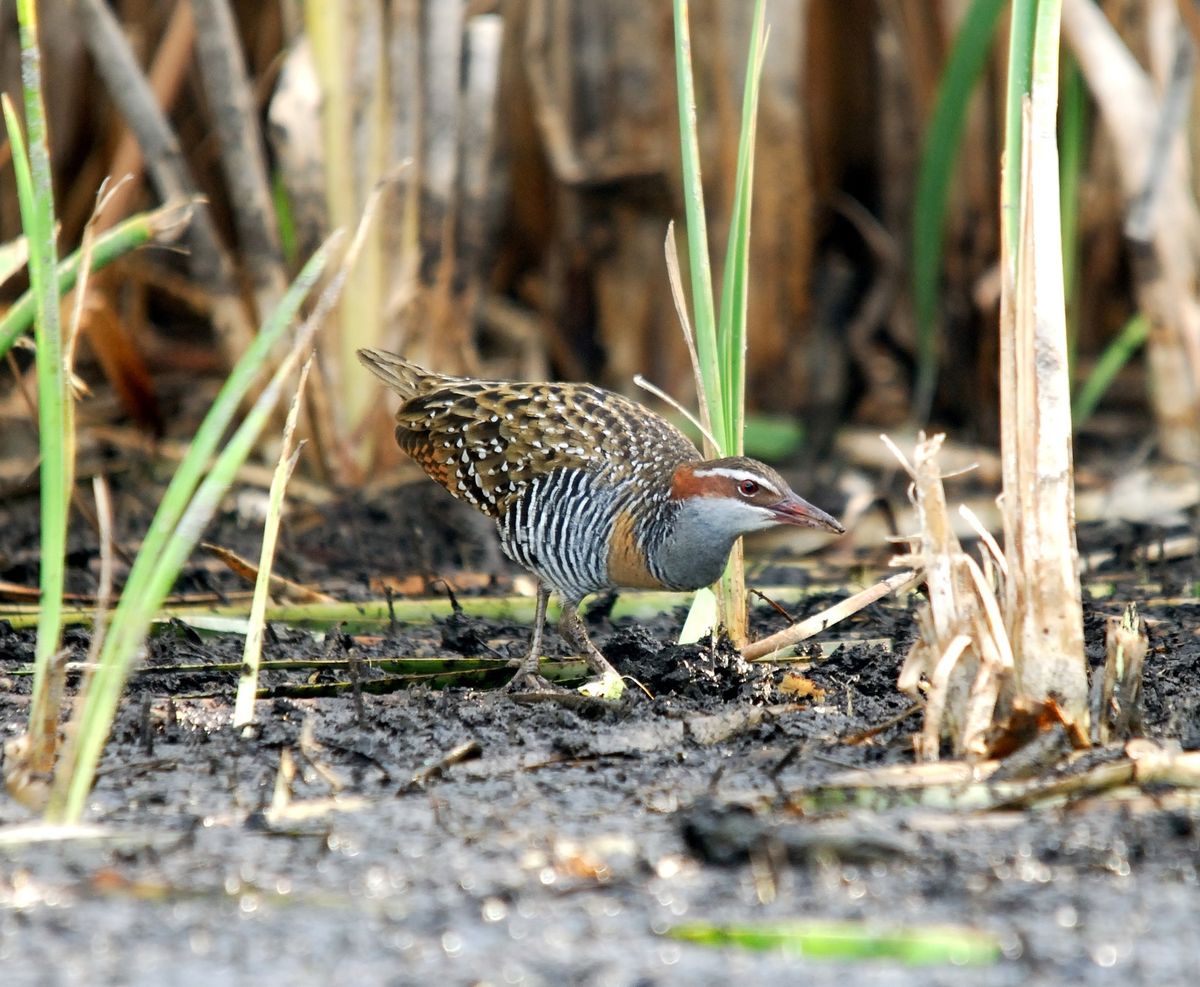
(963, 649)
(1044, 604)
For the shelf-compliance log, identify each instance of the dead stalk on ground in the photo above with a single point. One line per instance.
(963, 652)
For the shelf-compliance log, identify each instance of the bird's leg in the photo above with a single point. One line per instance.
(527, 676)
(571, 627)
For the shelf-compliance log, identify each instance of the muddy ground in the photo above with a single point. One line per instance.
(570, 837)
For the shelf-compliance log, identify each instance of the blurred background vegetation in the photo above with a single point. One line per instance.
(524, 238)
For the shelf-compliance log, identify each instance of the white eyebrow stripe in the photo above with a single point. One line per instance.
(738, 476)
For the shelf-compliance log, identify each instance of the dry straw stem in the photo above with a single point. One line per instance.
(1166, 252)
(770, 648)
(243, 158)
(964, 787)
(1116, 694)
(129, 88)
(282, 590)
(551, 41)
(14, 255)
(711, 448)
(243, 713)
(355, 114)
(108, 553)
(168, 71)
(1043, 605)
(963, 649)
(244, 706)
(171, 450)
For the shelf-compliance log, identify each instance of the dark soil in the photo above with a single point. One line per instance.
(566, 837)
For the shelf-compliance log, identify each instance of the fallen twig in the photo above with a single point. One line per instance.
(769, 648)
(467, 751)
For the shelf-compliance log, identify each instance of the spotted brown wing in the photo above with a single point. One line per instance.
(486, 441)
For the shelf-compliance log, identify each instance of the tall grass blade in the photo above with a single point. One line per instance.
(720, 349)
(731, 328)
(35, 193)
(851, 941)
(126, 635)
(1072, 148)
(704, 312)
(175, 529)
(1020, 79)
(1113, 360)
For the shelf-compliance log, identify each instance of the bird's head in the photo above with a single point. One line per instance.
(737, 495)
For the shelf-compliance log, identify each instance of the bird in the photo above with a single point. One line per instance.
(590, 491)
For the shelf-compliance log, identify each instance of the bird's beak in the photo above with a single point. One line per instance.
(798, 511)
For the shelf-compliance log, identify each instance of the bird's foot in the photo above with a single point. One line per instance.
(608, 683)
(529, 678)
(530, 682)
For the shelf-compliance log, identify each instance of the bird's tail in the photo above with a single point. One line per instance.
(406, 379)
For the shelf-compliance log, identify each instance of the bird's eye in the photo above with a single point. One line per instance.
(747, 488)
